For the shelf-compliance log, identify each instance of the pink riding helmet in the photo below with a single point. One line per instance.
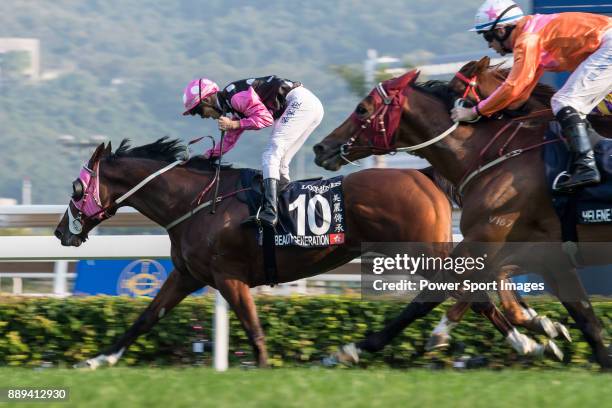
(197, 90)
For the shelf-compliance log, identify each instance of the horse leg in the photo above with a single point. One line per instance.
(172, 292)
(521, 343)
(239, 297)
(440, 336)
(566, 285)
(420, 306)
(518, 312)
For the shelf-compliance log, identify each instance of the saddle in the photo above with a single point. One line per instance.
(589, 204)
(252, 180)
(318, 201)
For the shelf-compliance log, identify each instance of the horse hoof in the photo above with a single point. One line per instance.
(563, 332)
(330, 361)
(554, 350)
(437, 341)
(87, 365)
(547, 326)
(347, 354)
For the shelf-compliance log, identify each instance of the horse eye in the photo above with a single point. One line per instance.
(360, 110)
(77, 189)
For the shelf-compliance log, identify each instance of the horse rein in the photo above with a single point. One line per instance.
(379, 114)
(369, 122)
(477, 169)
(473, 171)
(75, 224)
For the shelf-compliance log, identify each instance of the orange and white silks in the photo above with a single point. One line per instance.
(558, 42)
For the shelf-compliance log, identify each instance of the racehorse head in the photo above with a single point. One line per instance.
(370, 129)
(110, 180)
(418, 116)
(477, 80)
(84, 209)
(472, 83)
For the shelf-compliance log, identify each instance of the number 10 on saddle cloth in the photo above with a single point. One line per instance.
(311, 214)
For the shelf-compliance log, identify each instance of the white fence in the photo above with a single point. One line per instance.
(18, 248)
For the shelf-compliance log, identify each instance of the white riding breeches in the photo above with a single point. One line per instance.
(302, 115)
(590, 83)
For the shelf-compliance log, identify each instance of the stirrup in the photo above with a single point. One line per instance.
(556, 181)
(252, 220)
(579, 184)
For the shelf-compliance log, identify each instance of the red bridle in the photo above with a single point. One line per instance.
(379, 127)
(471, 83)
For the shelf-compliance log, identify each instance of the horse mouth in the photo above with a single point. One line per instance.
(72, 240)
(329, 159)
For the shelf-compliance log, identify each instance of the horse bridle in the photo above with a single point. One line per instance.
(471, 86)
(380, 114)
(90, 191)
(370, 122)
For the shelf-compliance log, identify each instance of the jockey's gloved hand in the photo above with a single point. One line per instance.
(225, 123)
(461, 114)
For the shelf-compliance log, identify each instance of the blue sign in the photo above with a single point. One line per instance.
(585, 6)
(141, 277)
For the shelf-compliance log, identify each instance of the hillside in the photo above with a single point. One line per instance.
(127, 61)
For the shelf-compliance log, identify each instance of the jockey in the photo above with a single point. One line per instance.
(578, 42)
(256, 103)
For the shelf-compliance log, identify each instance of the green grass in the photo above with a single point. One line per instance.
(315, 387)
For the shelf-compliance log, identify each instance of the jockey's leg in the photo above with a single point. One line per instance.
(303, 108)
(583, 168)
(316, 118)
(585, 88)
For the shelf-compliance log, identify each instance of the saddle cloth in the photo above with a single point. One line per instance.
(310, 212)
(587, 205)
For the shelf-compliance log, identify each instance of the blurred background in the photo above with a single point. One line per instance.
(75, 73)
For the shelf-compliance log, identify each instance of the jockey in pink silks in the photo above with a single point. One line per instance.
(256, 103)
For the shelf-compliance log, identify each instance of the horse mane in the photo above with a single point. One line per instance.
(166, 150)
(439, 89)
(163, 149)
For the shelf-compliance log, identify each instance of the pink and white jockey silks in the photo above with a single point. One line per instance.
(89, 204)
(197, 90)
(256, 116)
(302, 114)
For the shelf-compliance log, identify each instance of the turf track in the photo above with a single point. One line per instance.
(316, 387)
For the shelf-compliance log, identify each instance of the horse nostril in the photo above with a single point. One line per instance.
(318, 149)
(58, 234)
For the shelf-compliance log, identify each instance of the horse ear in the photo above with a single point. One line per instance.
(96, 155)
(482, 64)
(109, 150)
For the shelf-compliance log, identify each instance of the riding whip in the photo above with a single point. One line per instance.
(218, 172)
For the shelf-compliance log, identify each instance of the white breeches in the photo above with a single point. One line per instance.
(590, 83)
(302, 115)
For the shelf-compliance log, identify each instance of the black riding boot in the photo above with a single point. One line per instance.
(583, 168)
(268, 214)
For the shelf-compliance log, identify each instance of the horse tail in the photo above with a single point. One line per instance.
(443, 184)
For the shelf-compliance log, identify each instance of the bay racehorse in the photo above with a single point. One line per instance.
(497, 167)
(216, 250)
